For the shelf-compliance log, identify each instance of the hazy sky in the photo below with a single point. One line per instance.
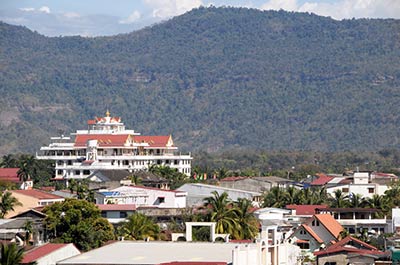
(109, 17)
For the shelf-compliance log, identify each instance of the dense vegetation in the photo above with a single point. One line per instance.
(215, 78)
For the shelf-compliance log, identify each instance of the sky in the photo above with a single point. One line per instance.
(110, 17)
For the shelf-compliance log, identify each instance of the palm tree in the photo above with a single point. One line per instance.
(28, 227)
(292, 195)
(378, 202)
(276, 197)
(9, 161)
(139, 227)
(7, 203)
(222, 211)
(338, 200)
(356, 200)
(27, 167)
(11, 254)
(248, 222)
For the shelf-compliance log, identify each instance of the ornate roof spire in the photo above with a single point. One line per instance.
(108, 113)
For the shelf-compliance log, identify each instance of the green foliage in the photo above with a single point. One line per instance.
(7, 203)
(215, 78)
(175, 178)
(11, 254)
(139, 227)
(78, 222)
(40, 171)
(234, 218)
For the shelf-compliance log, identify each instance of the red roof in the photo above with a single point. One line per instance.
(102, 139)
(9, 174)
(233, 178)
(321, 180)
(41, 251)
(305, 209)
(153, 141)
(350, 244)
(41, 195)
(330, 224)
(117, 207)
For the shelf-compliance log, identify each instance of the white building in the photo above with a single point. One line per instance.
(362, 184)
(106, 144)
(142, 197)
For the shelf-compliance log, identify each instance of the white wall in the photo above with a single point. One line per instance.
(60, 254)
(171, 199)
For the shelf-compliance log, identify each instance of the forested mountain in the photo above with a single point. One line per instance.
(215, 78)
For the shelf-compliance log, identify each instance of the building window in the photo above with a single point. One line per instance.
(161, 199)
(371, 190)
(86, 172)
(104, 214)
(69, 162)
(123, 214)
(77, 172)
(345, 189)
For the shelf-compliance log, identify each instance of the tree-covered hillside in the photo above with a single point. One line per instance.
(214, 78)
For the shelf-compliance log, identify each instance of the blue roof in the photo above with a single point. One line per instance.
(110, 193)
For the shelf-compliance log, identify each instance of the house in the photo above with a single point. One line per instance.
(356, 219)
(350, 251)
(304, 211)
(319, 231)
(49, 254)
(12, 230)
(9, 176)
(31, 199)
(255, 184)
(142, 197)
(197, 192)
(116, 213)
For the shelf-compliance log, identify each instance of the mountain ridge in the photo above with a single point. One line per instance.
(214, 78)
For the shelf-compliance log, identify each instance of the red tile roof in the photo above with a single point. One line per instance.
(117, 207)
(153, 141)
(330, 224)
(9, 174)
(41, 251)
(306, 209)
(348, 244)
(233, 178)
(321, 180)
(103, 139)
(41, 195)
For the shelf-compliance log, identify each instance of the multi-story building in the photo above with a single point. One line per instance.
(107, 145)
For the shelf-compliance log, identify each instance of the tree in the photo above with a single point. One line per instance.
(222, 211)
(28, 227)
(338, 200)
(27, 167)
(11, 254)
(275, 197)
(7, 203)
(378, 202)
(247, 221)
(356, 200)
(139, 227)
(78, 222)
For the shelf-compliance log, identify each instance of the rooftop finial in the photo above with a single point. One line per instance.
(108, 113)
